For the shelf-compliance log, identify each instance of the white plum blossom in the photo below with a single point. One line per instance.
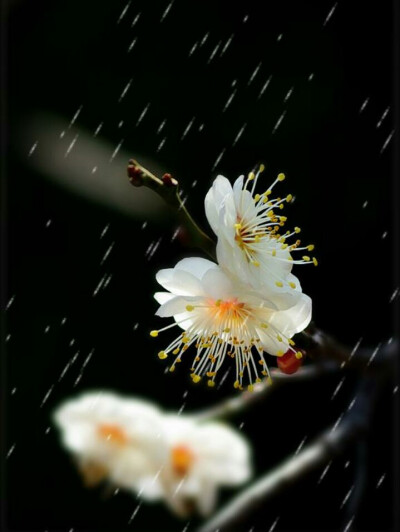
(112, 438)
(251, 244)
(157, 456)
(203, 456)
(222, 317)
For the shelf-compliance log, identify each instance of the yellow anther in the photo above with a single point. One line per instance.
(306, 258)
(281, 177)
(250, 387)
(162, 355)
(257, 239)
(262, 168)
(172, 369)
(269, 380)
(210, 373)
(284, 219)
(175, 351)
(279, 283)
(281, 206)
(258, 379)
(267, 192)
(284, 246)
(218, 302)
(299, 355)
(189, 308)
(257, 197)
(279, 338)
(280, 354)
(237, 226)
(251, 176)
(154, 333)
(255, 263)
(297, 229)
(195, 378)
(185, 339)
(236, 384)
(227, 329)
(273, 252)
(264, 325)
(292, 285)
(289, 198)
(291, 342)
(210, 383)
(261, 362)
(310, 247)
(315, 261)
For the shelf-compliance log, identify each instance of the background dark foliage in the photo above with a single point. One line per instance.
(61, 55)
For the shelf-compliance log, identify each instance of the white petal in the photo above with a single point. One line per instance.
(196, 266)
(179, 282)
(294, 319)
(213, 201)
(163, 297)
(217, 285)
(174, 306)
(237, 189)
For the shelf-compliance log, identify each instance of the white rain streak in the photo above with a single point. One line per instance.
(132, 44)
(135, 19)
(178, 487)
(355, 348)
(187, 128)
(227, 44)
(186, 527)
(241, 425)
(288, 95)
(8, 337)
(123, 12)
(233, 82)
(395, 389)
(279, 37)
(310, 77)
(387, 141)
(46, 396)
(201, 126)
(75, 117)
(166, 11)
(72, 342)
(142, 114)
(63, 321)
(10, 302)
(346, 465)
(300, 445)
(161, 126)
(393, 296)
(335, 426)
(62, 134)
(181, 408)
(214, 52)
(347, 527)
(363, 106)
(154, 248)
(64, 371)
(33, 148)
(384, 234)
(116, 491)
(11, 450)
(136, 326)
(375, 352)
(85, 363)
(193, 48)
(104, 230)
(347, 496)
(330, 14)
(48, 223)
(132, 517)
(204, 39)
(98, 129)
(144, 224)
(352, 403)
(278, 123)
(176, 232)
(324, 472)
(337, 388)
(47, 329)
(96, 290)
(245, 19)
(254, 74)
(107, 280)
(47, 431)
(239, 134)
(381, 480)
(382, 118)
(161, 143)
(223, 378)
(365, 204)
(218, 159)
(13, 390)
(274, 524)
(71, 145)
(185, 394)
(107, 253)
(229, 100)
(125, 90)
(116, 151)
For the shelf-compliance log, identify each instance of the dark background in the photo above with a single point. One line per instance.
(66, 54)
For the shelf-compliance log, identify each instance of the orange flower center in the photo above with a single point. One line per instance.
(112, 433)
(182, 460)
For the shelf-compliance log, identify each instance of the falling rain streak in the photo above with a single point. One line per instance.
(279, 122)
(71, 145)
(330, 14)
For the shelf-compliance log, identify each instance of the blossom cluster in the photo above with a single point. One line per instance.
(133, 445)
(247, 305)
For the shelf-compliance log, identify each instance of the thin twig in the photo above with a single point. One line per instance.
(168, 188)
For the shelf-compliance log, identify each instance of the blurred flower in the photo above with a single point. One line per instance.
(112, 438)
(251, 245)
(159, 456)
(222, 317)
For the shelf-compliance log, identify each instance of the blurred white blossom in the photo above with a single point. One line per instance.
(222, 317)
(134, 445)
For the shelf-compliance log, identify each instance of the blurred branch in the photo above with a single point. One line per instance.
(326, 447)
(245, 399)
(168, 188)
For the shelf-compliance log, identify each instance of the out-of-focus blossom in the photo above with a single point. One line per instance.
(222, 317)
(161, 457)
(251, 243)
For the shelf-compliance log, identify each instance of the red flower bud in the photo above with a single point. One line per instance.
(291, 361)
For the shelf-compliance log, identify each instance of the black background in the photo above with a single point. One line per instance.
(66, 54)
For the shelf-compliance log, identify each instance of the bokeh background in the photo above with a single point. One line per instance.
(195, 89)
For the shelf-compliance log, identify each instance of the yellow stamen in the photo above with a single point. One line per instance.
(162, 355)
(153, 333)
(281, 177)
(189, 308)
